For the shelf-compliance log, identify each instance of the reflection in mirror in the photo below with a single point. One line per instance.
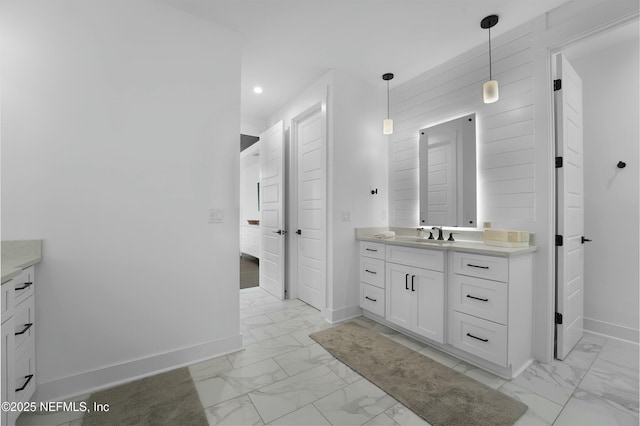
(448, 173)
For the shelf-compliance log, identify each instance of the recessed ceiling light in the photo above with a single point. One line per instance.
(257, 89)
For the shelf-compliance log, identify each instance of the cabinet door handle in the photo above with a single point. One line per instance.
(477, 338)
(371, 272)
(406, 282)
(477, 298)
(26, 285)
(412, 278)
(368, 249)
(24, 330)
(477, 266)
(373, 300)
(26, 383)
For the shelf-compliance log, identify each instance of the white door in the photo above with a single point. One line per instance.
(399, 299)
(428, 288)
(441, 202)
(570, 209)
(272, 238)
(308, 133)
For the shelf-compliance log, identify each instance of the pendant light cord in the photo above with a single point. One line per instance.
(490, 75)
(387, 99)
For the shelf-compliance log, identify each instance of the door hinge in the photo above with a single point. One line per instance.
(559, 240)
(557, 85)
(559, 162)
(558, 318)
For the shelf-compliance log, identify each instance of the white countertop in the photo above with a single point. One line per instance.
(18, 255)
(461, 245)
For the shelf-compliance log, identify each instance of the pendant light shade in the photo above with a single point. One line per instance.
(490, 92)
(387, 124)
(490, 88)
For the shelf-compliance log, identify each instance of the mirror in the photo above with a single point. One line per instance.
(448, 173)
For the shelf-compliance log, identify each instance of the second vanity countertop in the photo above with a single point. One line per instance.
(366, 234)
(18, 255)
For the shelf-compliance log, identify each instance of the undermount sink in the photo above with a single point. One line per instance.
(421, 240)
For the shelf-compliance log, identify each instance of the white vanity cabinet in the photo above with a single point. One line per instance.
(415, 295)
(18, 341)
(372, 277)
(490, 308)
(472, 301)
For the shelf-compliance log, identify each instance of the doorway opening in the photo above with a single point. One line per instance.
(249, 211)
(596, 288)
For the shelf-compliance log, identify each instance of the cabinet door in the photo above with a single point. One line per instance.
(399, 296)
(8, 366)
(428, 315)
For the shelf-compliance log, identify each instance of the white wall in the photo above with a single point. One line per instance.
(356, 162)
(119, 131)
(515, 144)
(610, 102)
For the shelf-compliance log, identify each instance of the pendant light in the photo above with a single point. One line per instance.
(387, 125)
(490, 88)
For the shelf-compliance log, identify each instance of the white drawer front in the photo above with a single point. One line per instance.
(479, 337)
(372, 271)
(23, 285)
(477, 265)
(24, 322)
(420, 258)
(375, 250)
(481, 298)
(372, 299)
(25, 368)
(7, 300)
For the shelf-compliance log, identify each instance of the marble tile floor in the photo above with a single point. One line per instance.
(282, 377)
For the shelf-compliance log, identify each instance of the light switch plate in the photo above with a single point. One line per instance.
(216, 215)
(346, 215)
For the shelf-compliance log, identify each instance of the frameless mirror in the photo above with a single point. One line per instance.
(448, 173)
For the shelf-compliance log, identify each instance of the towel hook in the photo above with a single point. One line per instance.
(622, 164)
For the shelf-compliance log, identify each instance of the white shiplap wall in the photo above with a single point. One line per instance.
(505, 129)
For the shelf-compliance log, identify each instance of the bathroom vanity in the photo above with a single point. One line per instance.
(466, 298)
(18, 376)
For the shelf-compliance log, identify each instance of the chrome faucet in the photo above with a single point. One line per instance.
(440, 236)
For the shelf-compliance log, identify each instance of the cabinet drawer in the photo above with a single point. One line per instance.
(372, 271)
(24, 322)
(479, 337)
(6, 299)
(23, 285)
(420, 258)
(372, 299)
(375, 250)
(481, 266)
(25, 380)
(481, 298)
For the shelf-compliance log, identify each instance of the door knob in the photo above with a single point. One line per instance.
(584, 240)
(280, 232)
(299, 232)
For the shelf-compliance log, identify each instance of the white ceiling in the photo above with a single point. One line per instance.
(288, 44)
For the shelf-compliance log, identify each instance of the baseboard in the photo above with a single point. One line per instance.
(103, 378)
(335, 316)
(611, 330)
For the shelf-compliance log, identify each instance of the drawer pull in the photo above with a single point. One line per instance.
(406, 282)
(24, 330)
(26, 383)
(477, 266)
(369, 249)
(371, 272)
(368, 298)
(412, 278)
(26, 285)
(477, 298)
(477, 338)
